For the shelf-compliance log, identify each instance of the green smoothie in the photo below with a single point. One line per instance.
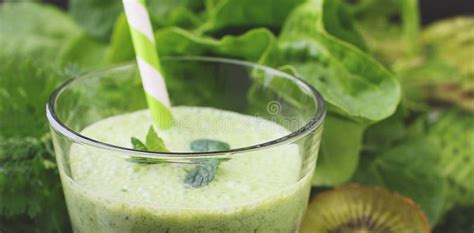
(259, 191)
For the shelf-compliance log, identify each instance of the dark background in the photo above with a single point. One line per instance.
(431, 10)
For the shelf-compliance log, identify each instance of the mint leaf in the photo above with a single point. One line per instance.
(146, 161)
(206, 145)
(203, 174)
(137, 144)
(154, 142)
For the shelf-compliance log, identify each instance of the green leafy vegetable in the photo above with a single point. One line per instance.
(138, 145)
(206, 145)
(182, 13)
(244, 14)
(339, 153)
(202, 174)
(153, 143)
(30, 188)
(33, 30)
(24, 91)
(442, 72)
(318, 40)
(332, 17)
(146, 161)
(194, 78)
(454, 47)
(121, 47)
(453, 132)
(389, 27)
(206, 170)
(347, 78)
(409, 165)
(84, 52)
(96, 17)
(249, 46)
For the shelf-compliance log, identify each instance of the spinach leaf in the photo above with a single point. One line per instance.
(390, 27)
(121, 46)
(182, 13)
(331, 16)
(249, 46)
(338, 156)
(175, 41)
(188, 84)
(444, 40)
(33, 30)
(347, 78)
(442, 72)
(83, 52)
(97, 17)
(245, 14)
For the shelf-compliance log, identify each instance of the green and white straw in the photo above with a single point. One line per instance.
(148, 62)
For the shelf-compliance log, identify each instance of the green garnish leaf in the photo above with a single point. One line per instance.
(138, 145)
(207, 145)
(203, 174)
(154, 142)
(146, 161)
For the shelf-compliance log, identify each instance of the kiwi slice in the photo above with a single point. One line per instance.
(361, 209)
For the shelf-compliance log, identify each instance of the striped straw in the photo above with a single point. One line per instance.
(148, 62)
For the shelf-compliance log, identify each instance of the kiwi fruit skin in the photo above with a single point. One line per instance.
(374, 210)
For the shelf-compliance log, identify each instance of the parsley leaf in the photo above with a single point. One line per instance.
(30, 189)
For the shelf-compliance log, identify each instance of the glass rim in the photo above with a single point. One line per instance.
(312, 124)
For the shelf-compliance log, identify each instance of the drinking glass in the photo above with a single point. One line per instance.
(136, 197)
